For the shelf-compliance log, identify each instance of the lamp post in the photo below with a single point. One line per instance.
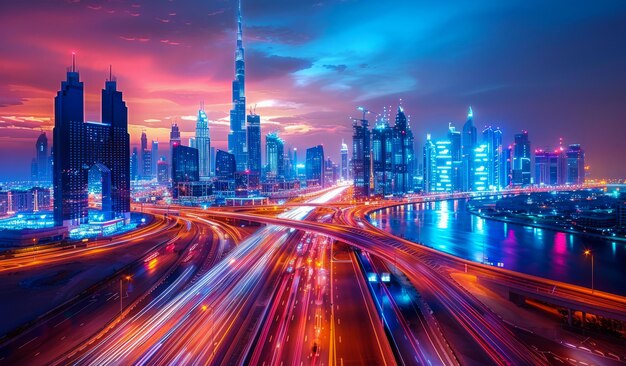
(588, 253)
(121, 282)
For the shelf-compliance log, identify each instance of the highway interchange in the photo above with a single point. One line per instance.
(280, 286)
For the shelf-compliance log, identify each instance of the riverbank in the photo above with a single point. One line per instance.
(544, 226)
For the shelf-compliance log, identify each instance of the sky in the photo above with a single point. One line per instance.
(554, 68)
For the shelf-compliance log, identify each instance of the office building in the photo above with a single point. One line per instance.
(456, 156)
(344, 160)
(254, 143)
(468, 146)
(203, 143)
(85, 145)
(521, 160)
(134, 165)
(402, 154)
(155, 157)
(174, 139)
(225, 165)
(315, 166)
(274, 154)
(429, 165)
(575, 165)
(163, 171)
(185, 166)
(361, 158)
(382, 157)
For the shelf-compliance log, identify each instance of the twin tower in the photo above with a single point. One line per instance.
(83, 149)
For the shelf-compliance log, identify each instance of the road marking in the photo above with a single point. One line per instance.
(28, 342)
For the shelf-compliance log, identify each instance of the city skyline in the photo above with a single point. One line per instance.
(281, 84)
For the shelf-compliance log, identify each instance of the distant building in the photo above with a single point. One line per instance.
(174, 139)
(85, 145)
(203, 143)
(225, 165)
(481, 167)
(403, 154)
(468, 146)
(442, 179)
(134, 164)
(315, 165)
(154, 153)
(41, 156)
(457, 165)
(361, 158)
(492, 138)
(429, 165)
(550, 167)
(185, 166)
(575, 164)
(254, 143)
(163, 172)
(274, 154)
(521, 160)
(382, 157)
(344, 161)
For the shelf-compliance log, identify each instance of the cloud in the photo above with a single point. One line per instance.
(338, 68)
(264, 66)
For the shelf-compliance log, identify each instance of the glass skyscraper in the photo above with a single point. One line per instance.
(203, 143)
(315, 165)
(274, 154)
(237, 135)
(254, 144)
(80, 145)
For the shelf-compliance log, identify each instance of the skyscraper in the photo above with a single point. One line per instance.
(174, 138)
(575, 164)
(82, 146)
(443, 163)
(254, 143)
(402, 154)
(344, 160)
(146, 157)
(43, 173)
(203, 143)
(468, 146)
(550, 167)
(185, 166)
(134, 164)
(361, 158)
(225, 165)
(155, 157)
(315, 165)
(521, 160)
(430, 165)
(382, 156)
(274, 154)
(456, 158)
(237, 135)
(492, 138)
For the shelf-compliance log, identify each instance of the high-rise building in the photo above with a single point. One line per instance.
(225, 165)
(382, 156)
(163, 171)
(254, 144)
(481, 168)
(203, 143)
(174, 138)
(468, 146)
(492, 138)
(402, 154)
(521, 160)
(295, 163)
(443, 167)
(344, 160)
(575, 164)
(237, 135)
(212, 160)
(146, 164)
(185, 166)
(155, 157)
(361, 158)
(81, 146)
(550, 167)
(41, 156)
(315, 165)
(430, 165)
(274, 154)
(192, 142)
(144, 141)
(134, 164)
(456, 157)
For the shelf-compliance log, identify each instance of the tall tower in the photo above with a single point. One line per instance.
(42, 158)
(174, 139)
(344, 160)
(203, 143)
(254, 143)
(237, 134)
(468, 144)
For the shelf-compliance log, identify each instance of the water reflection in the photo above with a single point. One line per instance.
(448, 226)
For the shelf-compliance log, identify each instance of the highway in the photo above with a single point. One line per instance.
(166, 332)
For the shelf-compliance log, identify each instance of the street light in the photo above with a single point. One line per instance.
(588, 252)
(127, 278)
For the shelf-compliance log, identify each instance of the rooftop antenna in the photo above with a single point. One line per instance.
(110, 72)
(73, 61)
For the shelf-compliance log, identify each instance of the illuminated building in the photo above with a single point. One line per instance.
(550, 167)
(430, 165)
(185, 166)
(344, 160)
(481, 164)
(254, 144)
(237, 135)
(521, 160)
(456, 169)
(174, 138)
(468, 145)
(382, 157)
(274, 154)
(492, 138)
(155, 157)
(225, 165)
(134, 164)
(403, 154)
(163, 171)
(315, 166)
(81, 146)
(360, 158)
(575, 165)
(42, 162)
(442, 179)
(203, 143)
